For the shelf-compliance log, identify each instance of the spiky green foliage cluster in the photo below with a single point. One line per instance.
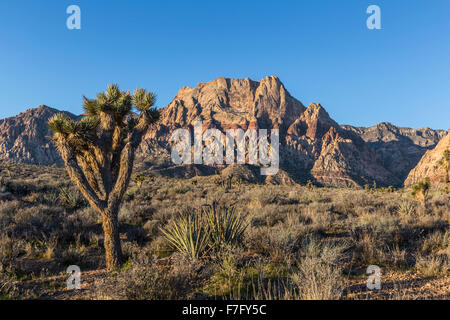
(188, 234)
(113, 104)
(196, 234)
(420, 190)
(445, 164)
(225, 225)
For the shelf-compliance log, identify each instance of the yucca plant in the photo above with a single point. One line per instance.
(406, 208)
(225, 225)
(70, 198)
(188, 234)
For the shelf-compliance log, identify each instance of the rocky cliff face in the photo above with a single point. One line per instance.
(312, 145)
(400, 149)
(225, 103)
(26, 137)
(429, 166)
(329, 154)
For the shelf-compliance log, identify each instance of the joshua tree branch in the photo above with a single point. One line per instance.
(79, 178)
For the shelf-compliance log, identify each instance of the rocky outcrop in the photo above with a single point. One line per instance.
(26, 138)
(399, 148)
(330, 154)
(429, 165)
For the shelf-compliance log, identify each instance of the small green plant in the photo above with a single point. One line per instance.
(445, 164)
(71, 199)
(225, 225)
(420, 191)
(139, 179)
(3, 184)
(188, 234)
(406, 208)
(310, 185)
(446, 189)
(224, 183)
(391, 189)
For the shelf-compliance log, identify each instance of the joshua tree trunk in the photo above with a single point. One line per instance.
(113, 249)
(98, 152)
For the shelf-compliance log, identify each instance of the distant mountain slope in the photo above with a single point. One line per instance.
(312, 145)
(399, 148)
(25, 138)
(429, 166)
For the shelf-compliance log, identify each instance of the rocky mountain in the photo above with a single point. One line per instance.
(25, 138)
(400, 149)
(317, 147)
(429, 166)
(312, 145)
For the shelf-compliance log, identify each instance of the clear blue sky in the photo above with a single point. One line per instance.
(321, 50)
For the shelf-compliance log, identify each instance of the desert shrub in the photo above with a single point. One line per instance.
(3, 184)
(406, 208)
(151, 227)
(37, 221)
(319, 271)
(10, 249)
(143, 279)
(432, 266)
(137, 234)
(73, 255)
(435, 242)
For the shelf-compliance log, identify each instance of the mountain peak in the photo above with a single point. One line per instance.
(314, 122)
(234, 102)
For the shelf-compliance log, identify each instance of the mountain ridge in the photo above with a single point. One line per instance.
(312, 145)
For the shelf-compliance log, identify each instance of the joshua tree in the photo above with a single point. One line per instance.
(445, 164)
(98, 152)
(420, 191)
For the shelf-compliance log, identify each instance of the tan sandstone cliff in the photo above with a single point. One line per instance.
(429, 166)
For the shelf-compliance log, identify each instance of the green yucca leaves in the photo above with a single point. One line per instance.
(143, 100)
(58, 123)
(113, 93)
(226, 226)
(87, 124)
(189, 235)
(421, 189)
(112, 104)
(195, 234)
